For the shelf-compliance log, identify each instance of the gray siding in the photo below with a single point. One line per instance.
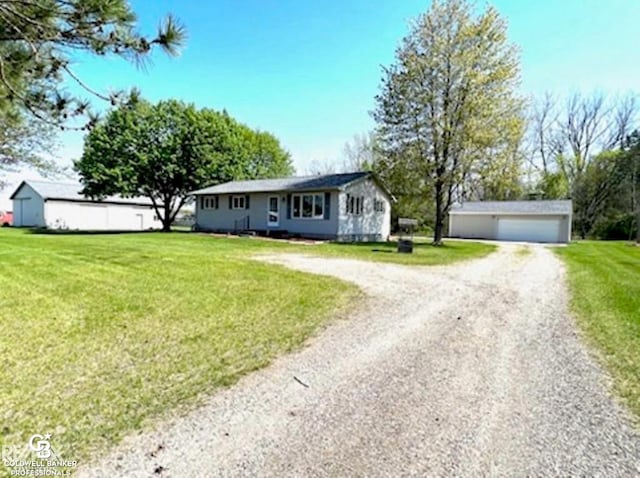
(224, 219)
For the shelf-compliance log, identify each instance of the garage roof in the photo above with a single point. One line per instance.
(72, 192)
(514, 207)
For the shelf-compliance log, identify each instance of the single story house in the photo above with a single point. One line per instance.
(344, 207)
(55, 205)
(532, 221)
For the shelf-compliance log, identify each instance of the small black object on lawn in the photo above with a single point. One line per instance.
(405, 241)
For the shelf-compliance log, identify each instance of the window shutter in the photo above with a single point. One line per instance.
(230, 202)
(288, 206)
(327, 205)
(246, 201)
(201, 202)
(217, 202)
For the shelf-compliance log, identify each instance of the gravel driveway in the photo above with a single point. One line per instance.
(468, 370)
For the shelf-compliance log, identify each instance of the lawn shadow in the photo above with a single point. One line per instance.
(67, 232)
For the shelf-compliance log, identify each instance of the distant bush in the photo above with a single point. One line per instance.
(620, 227)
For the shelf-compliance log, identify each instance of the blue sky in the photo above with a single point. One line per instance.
(308, 70)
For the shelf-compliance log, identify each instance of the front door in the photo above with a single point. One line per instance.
(273, 218)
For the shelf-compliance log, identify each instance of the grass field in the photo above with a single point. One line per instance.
(423, 252)
(604, 279)
(100, 334)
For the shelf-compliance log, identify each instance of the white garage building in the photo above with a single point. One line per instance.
(62, 206)
(532, 221)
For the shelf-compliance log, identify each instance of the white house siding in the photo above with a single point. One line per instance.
(485, 226)
(370, 225)
(28, 208)
(93, 216)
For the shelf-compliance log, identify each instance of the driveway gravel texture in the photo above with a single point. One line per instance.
(474, 369)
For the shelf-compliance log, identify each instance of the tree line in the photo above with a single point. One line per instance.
(453, 127)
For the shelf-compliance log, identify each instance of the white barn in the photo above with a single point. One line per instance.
(54, 205)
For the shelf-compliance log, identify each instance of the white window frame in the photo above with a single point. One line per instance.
(355, 205)
(378, 205)
(300, 197)
(208, 203)
(238, 202)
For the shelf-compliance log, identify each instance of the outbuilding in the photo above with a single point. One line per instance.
(531, 221)
(55, 205)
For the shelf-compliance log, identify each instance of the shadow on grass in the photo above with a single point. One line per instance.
(63, 232)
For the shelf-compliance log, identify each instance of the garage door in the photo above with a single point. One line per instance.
(533, 230)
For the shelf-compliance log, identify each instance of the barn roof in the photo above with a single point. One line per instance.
(61, 191)
(514, 207)
(291, 184)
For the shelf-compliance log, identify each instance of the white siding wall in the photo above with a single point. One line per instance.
(28, 208)
(370, 225)
(98, 217)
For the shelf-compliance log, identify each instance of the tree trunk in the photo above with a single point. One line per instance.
(439, 226)
(638, 224)
(166, 219)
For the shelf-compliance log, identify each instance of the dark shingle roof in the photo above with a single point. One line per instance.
(514, 207)
(72, 192)
(302, 183)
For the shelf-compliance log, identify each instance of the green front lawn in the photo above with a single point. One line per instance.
(604, 278)
(423, 252)
(100, 334)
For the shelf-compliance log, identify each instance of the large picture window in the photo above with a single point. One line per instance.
(308, 206)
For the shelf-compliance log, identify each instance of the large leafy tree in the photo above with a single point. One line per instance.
(450, 100)
(165, 151)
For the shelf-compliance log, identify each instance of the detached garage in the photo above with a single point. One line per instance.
(62, 206)
(531, 221)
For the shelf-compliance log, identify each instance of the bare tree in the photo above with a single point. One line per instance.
(622, 123)
(545, 142)
(319, 167)
(565, 139)
(360, 152)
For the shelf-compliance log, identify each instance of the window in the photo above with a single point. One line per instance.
(355, 205)
(308, 206)
(378, 205)
(209, 202)
(238, 202)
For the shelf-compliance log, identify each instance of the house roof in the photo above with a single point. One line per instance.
(301, 183)
(72, 192)
(513, 207)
